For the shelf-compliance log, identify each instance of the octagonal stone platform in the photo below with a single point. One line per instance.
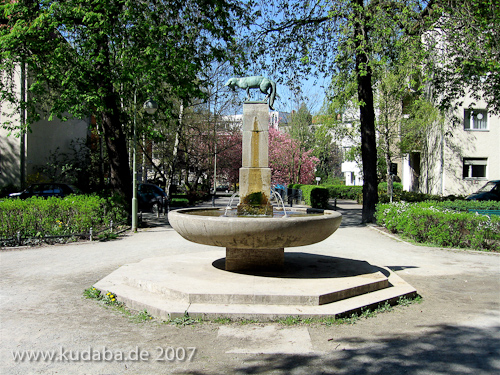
(310, 286)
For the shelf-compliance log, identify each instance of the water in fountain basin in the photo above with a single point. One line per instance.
(233, 213)
(274, 193)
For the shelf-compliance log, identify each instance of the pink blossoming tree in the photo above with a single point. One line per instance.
(288, 162)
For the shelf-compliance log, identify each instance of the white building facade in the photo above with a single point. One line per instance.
(465, 152)
(21, 154)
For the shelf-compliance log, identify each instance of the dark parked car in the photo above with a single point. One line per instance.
(223, 188)
(47, 190)
(489, 192)
(151, 198)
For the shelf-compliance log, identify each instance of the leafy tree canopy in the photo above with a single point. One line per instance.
(464, 52)
(92, 56)
(345, 38)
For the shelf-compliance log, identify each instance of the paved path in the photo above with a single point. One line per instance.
(455, 330)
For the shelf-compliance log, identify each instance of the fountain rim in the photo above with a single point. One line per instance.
(327, 214)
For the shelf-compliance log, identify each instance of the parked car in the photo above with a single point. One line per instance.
(224, 188)
(151, 198)
(489, 192)
(47, 190)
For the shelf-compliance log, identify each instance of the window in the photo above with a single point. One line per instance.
(475, 119)
(475, 168)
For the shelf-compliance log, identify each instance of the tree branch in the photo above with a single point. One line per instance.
(295, 23)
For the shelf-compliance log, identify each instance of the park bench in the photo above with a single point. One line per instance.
(486, 212)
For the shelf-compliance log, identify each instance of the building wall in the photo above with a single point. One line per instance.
(43, 139)
(10, 159)
(10, 146)
(56, 136)
(352, 173)
(46, 137)
(432, 161)
(452, 147)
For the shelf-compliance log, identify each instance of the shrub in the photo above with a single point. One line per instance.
(344, 192)
(463, 205)
(179, 202)
(443, 223)
(408, 196)
(315, 196)
(195, 196)
(295, 186)
(319, 198)
(75, 214)
(397, 187)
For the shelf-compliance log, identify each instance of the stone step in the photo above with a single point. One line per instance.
(308, 279)
(167, 287)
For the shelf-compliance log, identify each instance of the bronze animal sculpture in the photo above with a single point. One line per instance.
(265, 85)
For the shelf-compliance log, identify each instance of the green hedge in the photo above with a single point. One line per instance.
(315, 196)
(397, 187)
(356, 193)
(408, 196)
(463, 205)
(443, 223)
(296, 186)
(37, 217)
(344, 192)
(179, 202)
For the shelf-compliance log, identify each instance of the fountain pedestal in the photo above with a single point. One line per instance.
(255, 190)
(255, 174)
(254, 259)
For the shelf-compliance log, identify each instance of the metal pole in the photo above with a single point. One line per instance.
(391, 187)
(215, 172)
(134, 169)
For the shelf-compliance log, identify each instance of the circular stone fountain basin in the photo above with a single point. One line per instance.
(254, 232)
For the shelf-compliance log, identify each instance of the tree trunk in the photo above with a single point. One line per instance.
(116, 142)
(174, 153)
(388, 161)
(116, 146)
(367, 120)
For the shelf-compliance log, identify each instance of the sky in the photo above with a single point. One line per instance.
(313, 92)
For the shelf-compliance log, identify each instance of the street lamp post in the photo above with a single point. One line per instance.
(150, 107)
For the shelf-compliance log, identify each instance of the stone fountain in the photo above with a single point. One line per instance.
(254, 238)
(252, 278)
